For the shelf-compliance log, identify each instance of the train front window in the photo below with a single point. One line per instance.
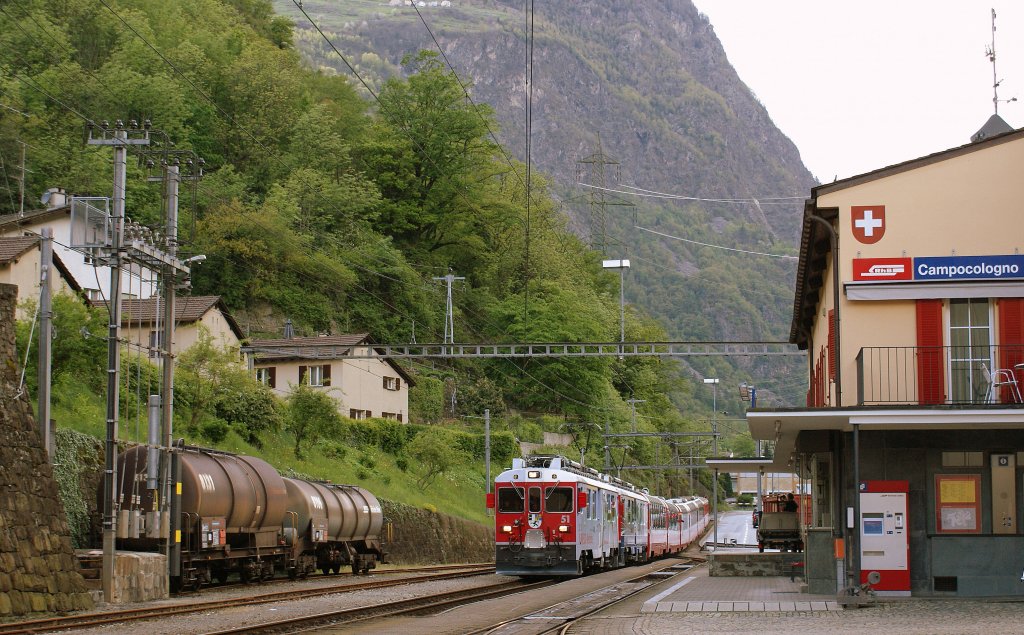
(510, 500)
(559, 500)
(534, 500)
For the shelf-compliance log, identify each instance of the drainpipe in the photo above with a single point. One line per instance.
(809, 213)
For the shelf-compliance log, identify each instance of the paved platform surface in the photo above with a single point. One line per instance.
(776, 606)
(700, 593)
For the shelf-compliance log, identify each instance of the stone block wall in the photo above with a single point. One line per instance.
(38, 568)
(425, 537)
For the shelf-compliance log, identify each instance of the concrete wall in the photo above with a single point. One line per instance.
(38, 569)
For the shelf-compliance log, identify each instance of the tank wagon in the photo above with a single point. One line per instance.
(235, 514)
(554, 516)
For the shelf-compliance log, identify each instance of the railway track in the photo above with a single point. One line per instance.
(88, 620)
(559, 618)
(423, 604)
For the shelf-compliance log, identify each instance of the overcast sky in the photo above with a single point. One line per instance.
(861, 85)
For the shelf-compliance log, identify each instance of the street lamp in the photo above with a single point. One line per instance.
(714, 412)
(621, 265)
(714, 442)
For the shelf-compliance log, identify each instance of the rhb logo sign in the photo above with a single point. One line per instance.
(882, 269)
(868, 223)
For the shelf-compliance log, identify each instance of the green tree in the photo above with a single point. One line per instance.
(436, 452)
(252, 411)
(311, 415)
(206, 375)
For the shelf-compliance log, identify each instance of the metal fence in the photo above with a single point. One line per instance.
(935, 375)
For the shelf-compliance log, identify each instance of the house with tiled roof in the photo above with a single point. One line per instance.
(20, 261)
(363, 387)
(93, 277)
(142, 323)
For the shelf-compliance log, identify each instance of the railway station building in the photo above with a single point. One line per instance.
(909, 303)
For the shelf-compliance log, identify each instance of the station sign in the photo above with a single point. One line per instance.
(939, 268)
(879, 269)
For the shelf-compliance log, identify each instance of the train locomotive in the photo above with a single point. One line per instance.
(555, 517)
(235, 514)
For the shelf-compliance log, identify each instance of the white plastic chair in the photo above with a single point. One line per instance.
(997, 379)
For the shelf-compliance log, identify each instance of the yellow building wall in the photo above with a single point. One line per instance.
(967, 205)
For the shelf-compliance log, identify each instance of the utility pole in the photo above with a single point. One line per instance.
(632, 408)
(449, 314)
(487, 449)
(119, 141)
(593, 167)
(171, 181)
(45, 339)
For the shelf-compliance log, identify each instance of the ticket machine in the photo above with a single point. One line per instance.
(885, 537)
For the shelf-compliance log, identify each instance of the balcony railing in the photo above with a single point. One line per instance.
(935, 375)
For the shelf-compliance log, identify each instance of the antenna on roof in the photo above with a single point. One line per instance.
(990, 52)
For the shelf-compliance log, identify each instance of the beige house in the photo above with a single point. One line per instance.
(363, 387)
(137, 281)
(20, 259)
(909, 302)
(142, 323)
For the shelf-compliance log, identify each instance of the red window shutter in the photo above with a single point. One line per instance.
(930, 373)
(272, 376)
(327, 375)
(385, 382)
(303, 374)
(1011, 341)
(398, 383)
(831, 345)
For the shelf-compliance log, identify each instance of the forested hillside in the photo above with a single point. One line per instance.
(337, 211)
(650, 82)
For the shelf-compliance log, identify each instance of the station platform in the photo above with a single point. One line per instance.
(698, 592)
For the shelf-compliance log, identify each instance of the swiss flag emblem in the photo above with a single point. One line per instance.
(868, 223)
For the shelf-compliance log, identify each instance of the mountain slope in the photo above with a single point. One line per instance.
(651, 83)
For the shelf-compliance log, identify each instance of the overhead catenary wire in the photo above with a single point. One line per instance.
(702, 244)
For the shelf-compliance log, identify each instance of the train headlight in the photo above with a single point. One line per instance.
(506, 528)
(563, 529)
(533, 474)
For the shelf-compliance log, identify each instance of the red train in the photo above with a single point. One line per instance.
(554, 516)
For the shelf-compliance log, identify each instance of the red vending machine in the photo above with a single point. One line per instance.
(885, 537)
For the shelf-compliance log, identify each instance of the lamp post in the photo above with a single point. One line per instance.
(621, 265)
(748, 392)
(714, 443)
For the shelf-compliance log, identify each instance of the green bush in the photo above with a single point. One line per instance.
(334, 450)
(214, 430)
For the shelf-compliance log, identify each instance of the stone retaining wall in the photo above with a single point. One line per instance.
(756, 564)
(424, 537)
(38, 569)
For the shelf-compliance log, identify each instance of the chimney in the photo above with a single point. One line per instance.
(289, 332)
(54, 197)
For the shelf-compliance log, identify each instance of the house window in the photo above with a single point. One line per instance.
(267, 376)
(155, 343)
(355, 413)
(970, 346)
(94, 294)
(392, 383)
(315, 375)
(394, 416)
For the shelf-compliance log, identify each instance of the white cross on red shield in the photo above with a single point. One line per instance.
(868, 223)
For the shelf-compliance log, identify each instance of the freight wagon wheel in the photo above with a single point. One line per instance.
(760, 547)
(221, 575)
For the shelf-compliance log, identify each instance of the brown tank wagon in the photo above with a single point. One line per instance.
(234, 514)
